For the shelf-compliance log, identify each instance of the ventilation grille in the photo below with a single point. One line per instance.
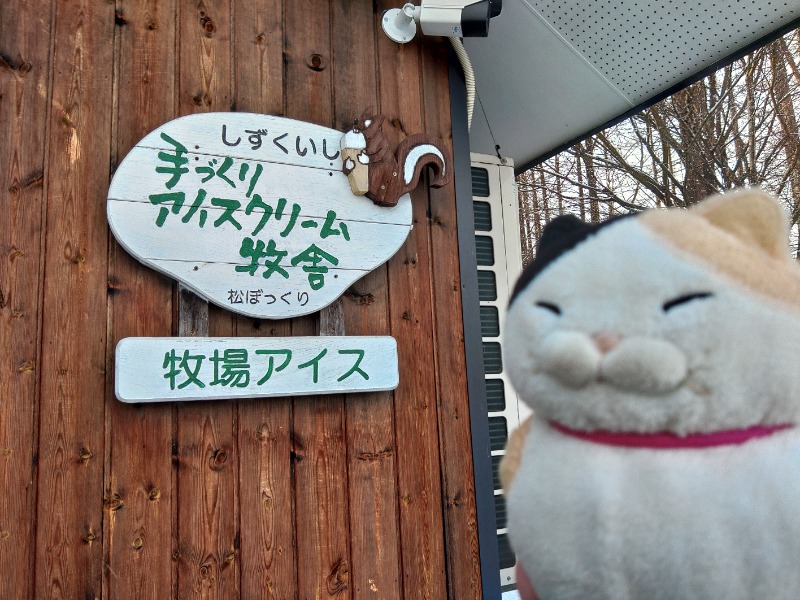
(487, 286)
(490, 321)
(495, 395)
(482, 211)
(480, 182)
(498, 257)
(492, 358)
(500, 511)
(485, 250)
(625, 39)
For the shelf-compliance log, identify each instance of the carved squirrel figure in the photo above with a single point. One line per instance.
(382, 175)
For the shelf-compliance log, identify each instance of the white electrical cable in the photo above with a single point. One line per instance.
(469, 76)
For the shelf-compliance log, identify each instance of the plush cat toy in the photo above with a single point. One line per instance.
(660, 355)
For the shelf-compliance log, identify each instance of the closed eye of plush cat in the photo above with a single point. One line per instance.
(684, 299)
(553, 308)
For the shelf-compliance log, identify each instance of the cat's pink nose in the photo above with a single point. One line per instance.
(606, 341)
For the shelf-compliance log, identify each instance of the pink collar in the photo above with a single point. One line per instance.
(666, 440)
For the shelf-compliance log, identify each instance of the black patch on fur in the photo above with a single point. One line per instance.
(684, 299)
(560, 235)
(553, 308)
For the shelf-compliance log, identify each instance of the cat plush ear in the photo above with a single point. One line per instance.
(559, 235)
(753, 216)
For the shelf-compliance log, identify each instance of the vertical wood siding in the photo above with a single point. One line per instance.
(357, 496)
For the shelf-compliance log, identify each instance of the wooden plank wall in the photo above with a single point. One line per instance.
(360, 496)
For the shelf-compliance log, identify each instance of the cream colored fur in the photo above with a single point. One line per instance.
(747, 242)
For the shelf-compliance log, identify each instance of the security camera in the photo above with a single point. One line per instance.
(454, 18)
(451, 18)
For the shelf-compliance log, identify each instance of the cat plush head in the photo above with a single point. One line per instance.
(682, 321)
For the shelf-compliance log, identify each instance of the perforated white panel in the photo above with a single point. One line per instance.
(627, 41)
(553, 70)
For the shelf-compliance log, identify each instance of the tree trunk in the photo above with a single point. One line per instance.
(699, 180)
(787, 117)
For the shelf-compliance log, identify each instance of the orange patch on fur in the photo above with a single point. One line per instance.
(756, 254)
(511, 461)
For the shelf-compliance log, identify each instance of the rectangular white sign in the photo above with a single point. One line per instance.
(175, 369)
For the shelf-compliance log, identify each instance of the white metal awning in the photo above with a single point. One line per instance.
(552, 71)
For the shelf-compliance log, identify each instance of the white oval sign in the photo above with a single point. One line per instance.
(252, 212)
